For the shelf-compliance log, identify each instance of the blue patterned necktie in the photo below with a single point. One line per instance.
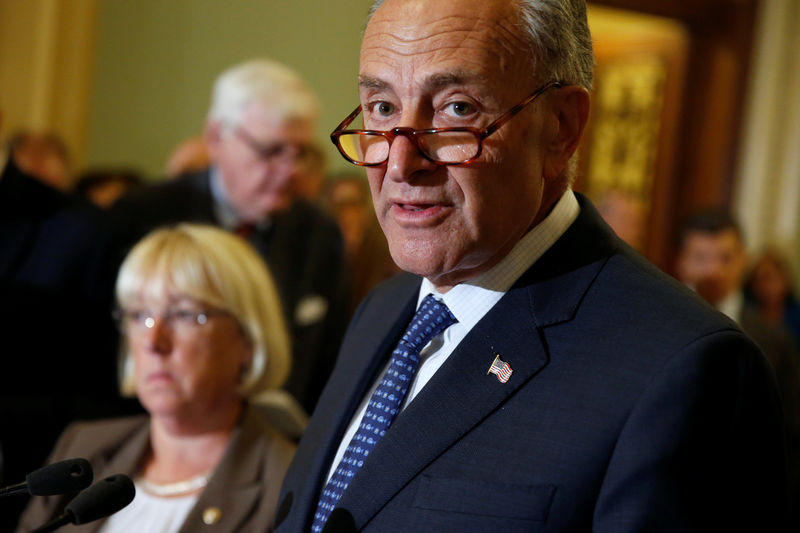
(431, 319)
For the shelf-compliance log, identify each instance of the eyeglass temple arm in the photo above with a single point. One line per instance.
(494, 126)
(350, 118)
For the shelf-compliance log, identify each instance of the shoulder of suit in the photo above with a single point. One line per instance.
(397, 290)
(187, 184)
(256, 422)
(305, 213)
(35, 198)
(96, 434)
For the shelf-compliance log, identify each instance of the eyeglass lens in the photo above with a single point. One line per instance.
(141, 320)
(443, 146)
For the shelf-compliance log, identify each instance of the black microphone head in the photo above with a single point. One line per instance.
(340, 521)
(102, 499)
(65, 476)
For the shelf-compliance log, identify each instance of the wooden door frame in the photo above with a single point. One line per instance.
(709, 131)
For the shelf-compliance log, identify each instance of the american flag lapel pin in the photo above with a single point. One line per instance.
(500, 368)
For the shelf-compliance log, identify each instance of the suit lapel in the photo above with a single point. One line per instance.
(461, 394)
(362, 356)
(235, 487)
(458, 396)
(126, 460)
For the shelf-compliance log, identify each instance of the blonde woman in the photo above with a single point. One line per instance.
(203, 332)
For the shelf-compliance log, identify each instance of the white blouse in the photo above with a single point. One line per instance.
(150, 513)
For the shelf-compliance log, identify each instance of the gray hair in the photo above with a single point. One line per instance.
(276, 87)
(558, 35)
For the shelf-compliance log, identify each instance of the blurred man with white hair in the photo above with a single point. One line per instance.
(258, 132)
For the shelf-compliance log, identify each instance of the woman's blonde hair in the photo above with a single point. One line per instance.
(217, 268)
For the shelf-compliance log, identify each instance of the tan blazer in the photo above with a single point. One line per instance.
(240, 497)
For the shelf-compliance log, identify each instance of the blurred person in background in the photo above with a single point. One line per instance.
(310, 186)
(626, 213)
(259, 131)
(104, 186)
(58, 340)
(191, 155)
(712, 260)
(368, 259)
(42, 155)
(769, 288)
(203, 333)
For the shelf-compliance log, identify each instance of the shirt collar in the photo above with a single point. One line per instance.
(732, 305)
(490, 286)
(223, 210)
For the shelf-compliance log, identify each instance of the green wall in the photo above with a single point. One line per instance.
(157, 59)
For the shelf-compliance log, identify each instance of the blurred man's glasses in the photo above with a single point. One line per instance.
(178, 320)
(296, 153)
(443, 146)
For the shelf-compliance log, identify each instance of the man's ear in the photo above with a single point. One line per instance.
(213, 137)
(569, 111)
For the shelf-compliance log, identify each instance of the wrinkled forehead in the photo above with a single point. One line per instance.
(412, 41)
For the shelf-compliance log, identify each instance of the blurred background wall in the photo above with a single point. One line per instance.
(696, 102)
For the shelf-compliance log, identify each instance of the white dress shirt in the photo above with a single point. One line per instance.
(732, 305)
(471, 300)
(151, 514)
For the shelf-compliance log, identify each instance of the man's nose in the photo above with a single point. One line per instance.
(405, 159)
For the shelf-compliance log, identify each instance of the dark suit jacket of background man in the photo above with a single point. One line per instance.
(57, 339)
(303, 249)
(778, 347)
(632, 406)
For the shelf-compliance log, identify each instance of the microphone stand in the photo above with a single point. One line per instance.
(54, 524)
(11, 490)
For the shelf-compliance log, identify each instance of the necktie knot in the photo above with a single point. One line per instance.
(431, 318)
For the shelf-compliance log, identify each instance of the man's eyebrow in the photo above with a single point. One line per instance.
(435, 81)
(447, 79)
(368, 82)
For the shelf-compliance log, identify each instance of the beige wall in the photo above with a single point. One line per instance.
(46, 54)
(156, 61)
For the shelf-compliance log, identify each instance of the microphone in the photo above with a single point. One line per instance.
(102, 499)
(58, 478)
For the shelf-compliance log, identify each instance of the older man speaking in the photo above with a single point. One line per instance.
(534, 373)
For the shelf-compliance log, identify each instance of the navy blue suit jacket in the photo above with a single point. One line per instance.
(632, 406)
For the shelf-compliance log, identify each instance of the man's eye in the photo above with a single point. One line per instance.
(459, 109)
(272, 150)
(383, 109)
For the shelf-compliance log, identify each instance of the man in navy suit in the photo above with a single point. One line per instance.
(580, 389)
